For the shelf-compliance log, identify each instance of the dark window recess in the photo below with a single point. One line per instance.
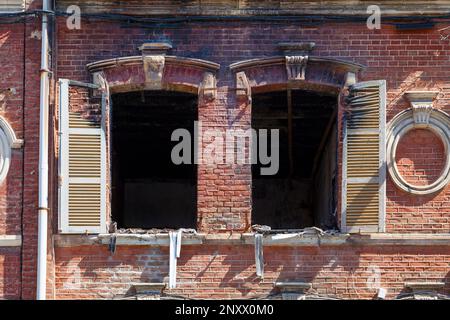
(148, 190)
(302, 193)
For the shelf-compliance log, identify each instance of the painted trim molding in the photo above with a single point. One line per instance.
(154, 70)
(421, 115)
(139, 60)
(10, 240)
(8, 141)
(10, 135)
(287, 239)
(296, 69)
(270, 61)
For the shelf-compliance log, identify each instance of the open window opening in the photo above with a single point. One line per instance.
(148, 189)
(303, 192)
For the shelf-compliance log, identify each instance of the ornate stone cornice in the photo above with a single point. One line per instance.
(273, 61)
(137, 60)
(154, 70)
(277, 73)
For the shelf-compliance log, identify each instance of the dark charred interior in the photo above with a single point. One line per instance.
(303, 192)
(148, 189)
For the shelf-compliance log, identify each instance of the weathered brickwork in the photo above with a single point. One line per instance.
(408, 60)
(10, 286)
(229, 271)
(423, 157)
(11, 190)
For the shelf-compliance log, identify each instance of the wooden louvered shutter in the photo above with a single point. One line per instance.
(364, 164)
(82, 159)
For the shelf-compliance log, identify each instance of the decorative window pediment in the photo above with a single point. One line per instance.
(155, 70)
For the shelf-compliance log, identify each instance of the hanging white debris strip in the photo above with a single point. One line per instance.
(283, 236)
(259, 258)
(179, 235)
(174, 253)
(173, 259)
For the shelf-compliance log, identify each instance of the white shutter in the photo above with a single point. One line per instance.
(364, 158)
(82, 160)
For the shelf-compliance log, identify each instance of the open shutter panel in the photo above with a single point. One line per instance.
(82, 159)
(364, 165)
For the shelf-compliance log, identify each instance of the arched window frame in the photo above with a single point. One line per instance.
(8, 141)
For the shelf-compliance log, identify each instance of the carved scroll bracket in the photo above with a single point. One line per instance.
(243, 89)
(153, 55)
(296, 67)
(296, 54)
(422, 106)
(207, 89)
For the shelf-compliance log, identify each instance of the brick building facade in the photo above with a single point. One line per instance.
(364, 125)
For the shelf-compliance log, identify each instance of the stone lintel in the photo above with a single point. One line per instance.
(148, 291)
(292, 286)
(296, 48)
(155, 48)
(422, 286)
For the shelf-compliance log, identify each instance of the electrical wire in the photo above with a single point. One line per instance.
(171, 21)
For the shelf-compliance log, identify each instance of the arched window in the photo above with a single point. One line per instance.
(8, 140)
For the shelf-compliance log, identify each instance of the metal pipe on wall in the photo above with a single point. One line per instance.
(43, 159)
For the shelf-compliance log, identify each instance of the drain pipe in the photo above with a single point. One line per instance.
(43, 159)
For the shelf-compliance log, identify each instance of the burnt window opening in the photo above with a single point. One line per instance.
(148, 189)
(303, 192)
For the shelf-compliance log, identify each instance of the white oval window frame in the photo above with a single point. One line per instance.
(8, 141)
(436, 121)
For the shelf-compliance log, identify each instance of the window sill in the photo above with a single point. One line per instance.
(10, 240)
(162, 239)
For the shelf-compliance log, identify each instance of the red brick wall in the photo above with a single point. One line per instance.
(20, 56)
(31, 158)
(407, 60)
(421, 157)
(11, 189)
(11, 52)
(229, 271)
(10, 273)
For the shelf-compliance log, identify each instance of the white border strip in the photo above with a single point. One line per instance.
(10, 240)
